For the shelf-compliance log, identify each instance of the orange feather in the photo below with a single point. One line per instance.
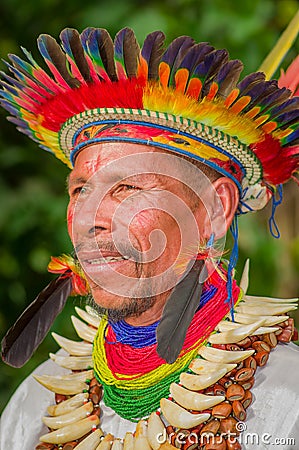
(164, 73)
(194, 88)
(181, 79)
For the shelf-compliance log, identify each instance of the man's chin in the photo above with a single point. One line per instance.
(119, 308)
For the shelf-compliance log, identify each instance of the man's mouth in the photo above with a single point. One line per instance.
(107, 259)
(94, 258)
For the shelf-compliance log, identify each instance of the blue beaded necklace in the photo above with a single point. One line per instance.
(144, 336)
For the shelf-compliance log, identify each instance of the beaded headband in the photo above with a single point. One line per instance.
(188, 97)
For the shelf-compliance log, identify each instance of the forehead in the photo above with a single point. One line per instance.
(97, 156)
(114, 161)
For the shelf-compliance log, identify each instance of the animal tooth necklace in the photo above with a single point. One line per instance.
(206, 391)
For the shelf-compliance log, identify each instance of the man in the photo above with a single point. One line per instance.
(166, 148)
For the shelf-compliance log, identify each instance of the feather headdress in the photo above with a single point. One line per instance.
(186, 98)
(189, 92)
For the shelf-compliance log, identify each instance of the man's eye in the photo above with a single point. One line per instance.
(79, 190)
(128, 187)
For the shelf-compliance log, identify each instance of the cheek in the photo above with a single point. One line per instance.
(147, 221)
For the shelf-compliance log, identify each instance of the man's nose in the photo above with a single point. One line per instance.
(93, 216)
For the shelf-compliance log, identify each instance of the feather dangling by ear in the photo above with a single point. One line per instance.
(23, 338)
(179, 311)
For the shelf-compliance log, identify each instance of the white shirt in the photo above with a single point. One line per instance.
(272, 422)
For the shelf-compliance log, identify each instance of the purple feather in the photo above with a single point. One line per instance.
(10, 108)
(71, 43)
(11, 80)
(152, 51)
(27, 132)
(195, 55)
(209, 67)
(17, 121)
(228, 76)
(175, 53)
(8, 89)
(250, 80)
(85, 36)
(100, 49)
(290, 104)
(291, 139)
(275, 98)
(225, 70)
(288, 118)
(127, 52)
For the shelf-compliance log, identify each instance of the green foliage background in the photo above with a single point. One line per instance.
(32, 184)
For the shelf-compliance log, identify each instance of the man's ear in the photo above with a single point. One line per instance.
(221, 204)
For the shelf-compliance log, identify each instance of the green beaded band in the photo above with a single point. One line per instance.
(136, 404)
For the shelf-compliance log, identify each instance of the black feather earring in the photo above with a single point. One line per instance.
(179, 311)
(23, 338)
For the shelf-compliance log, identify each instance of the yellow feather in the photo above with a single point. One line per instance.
(213, 113)
(284, 43)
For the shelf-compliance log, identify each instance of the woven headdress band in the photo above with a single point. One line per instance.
(186, 99)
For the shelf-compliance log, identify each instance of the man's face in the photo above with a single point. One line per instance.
(131, 220)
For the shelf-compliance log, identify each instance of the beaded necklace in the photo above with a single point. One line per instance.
(133, 376)
(212, 394)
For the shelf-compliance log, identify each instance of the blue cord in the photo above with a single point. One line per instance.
(232, 264)
(275, 202)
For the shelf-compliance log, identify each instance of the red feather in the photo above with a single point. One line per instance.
(279, 163)
(290, 78)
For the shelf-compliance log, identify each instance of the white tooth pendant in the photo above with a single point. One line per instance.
(223, 356)
(250, 318)
(253, 298)
(155, 431)
(234, 335)
(225, 326)
(244, 282)
(140, 437)
(117, 445)
(179, 417)
(69, 418)
(85, 375)
(84, 331)
(199, 382)
(202, 366)
(89, 318)
(105, 444)
(72, 362)
(66, 387)
(194, 400)
(129, 441)
(91, 442)
(68, 405)
(265, 309)
(71, 432)
(73, 347)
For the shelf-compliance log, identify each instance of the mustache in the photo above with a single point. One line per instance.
(124, 248)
